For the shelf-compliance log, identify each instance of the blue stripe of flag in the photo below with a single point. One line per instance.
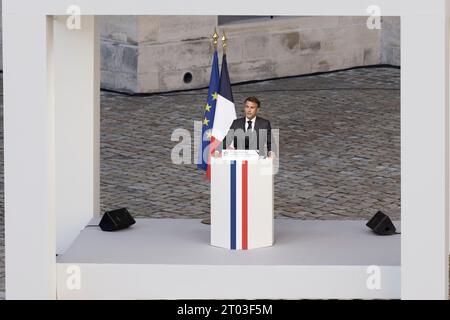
(233, 205)
(225, 84)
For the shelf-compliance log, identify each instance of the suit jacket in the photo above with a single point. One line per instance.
(257, 139)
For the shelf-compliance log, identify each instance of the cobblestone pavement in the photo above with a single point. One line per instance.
(339, 148)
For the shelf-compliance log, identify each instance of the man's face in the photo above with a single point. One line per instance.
(251, 109)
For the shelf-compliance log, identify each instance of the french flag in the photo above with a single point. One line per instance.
(225, 112)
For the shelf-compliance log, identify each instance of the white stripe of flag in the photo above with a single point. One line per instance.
(223, 118)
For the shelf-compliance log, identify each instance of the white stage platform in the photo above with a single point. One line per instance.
(172, 259)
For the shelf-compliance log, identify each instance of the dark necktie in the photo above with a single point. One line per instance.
(249, 127)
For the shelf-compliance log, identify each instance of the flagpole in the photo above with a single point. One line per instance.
(215, 38)
(224, 43)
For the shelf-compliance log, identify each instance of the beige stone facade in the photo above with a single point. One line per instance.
(146, 54)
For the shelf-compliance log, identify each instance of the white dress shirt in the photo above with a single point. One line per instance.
(253, 123)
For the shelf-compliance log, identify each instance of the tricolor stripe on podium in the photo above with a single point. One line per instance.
(239, 205)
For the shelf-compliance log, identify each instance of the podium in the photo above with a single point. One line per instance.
(242, 202)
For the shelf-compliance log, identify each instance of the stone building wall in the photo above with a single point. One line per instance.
(390, 41)
(147, 54)
(163, 53)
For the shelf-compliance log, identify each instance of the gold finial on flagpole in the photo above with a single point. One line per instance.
(224, 42)
(215, 38)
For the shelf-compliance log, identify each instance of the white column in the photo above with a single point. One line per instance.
(424, 160)
(29, 157)
(77, 128)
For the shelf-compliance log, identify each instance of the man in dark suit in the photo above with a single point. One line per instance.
(250, 132)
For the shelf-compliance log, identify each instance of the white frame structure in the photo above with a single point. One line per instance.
(51, 123)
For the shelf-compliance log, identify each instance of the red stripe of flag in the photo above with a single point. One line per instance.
(244, 205)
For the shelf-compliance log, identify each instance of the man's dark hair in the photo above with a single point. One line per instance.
(254, 100)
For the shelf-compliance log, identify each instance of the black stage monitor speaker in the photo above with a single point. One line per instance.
(381, 224)
(116, 219)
